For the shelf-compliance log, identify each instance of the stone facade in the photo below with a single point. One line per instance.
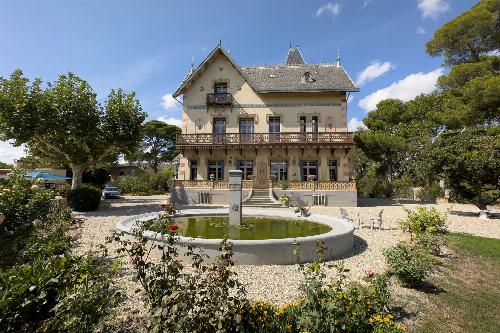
(296, 135)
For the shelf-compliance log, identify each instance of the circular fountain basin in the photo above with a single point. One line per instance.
(337, 234)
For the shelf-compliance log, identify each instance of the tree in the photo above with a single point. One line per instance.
(4, 165)
(468, 36)
(158, 144)
(470, 160)
(396, 134)
(64, 123)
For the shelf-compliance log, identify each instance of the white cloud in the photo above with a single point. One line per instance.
(355, 124)
(420, 31)
(433, 8)
(168, 102)
(405, 89)
(9, 153)
(171, 120)
(373, 71)
(330, 8)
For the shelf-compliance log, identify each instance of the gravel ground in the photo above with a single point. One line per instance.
(280, 283)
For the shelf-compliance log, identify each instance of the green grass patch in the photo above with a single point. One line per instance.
(473, 245)
(469, 296)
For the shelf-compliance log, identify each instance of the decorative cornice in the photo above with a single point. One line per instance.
(271, 105)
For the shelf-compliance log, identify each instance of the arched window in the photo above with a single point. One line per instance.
(307, 77)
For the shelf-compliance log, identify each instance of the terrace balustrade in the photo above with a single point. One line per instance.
(241, 140)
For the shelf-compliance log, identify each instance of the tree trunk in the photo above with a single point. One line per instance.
(77, 176)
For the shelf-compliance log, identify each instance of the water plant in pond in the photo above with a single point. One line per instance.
(252, 228)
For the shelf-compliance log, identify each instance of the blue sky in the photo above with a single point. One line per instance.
(147, 46)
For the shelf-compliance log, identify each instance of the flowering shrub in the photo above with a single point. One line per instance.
(169, 208)
(43, 286)
(207, 298)
(410, 264)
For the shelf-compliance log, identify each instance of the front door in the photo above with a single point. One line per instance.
(261, 179)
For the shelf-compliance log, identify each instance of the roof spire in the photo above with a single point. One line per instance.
(191, 71)
(294, 57)
(338, 57)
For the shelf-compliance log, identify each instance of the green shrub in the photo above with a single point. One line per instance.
(409, 264)
(146, 183)
(43, 286)
(84, 199)
(427, 227)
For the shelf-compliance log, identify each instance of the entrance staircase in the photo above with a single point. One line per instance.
(260, 199)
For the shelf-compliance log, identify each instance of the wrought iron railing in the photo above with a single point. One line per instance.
(242, 139)
(220, 99)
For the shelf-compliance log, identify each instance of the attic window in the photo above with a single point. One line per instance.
(272, 76)
(306, 78)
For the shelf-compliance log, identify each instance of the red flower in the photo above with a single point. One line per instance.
(173, 227)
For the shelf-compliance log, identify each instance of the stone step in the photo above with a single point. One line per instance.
(263, 206)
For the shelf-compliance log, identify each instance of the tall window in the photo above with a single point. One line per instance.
(220, 88)
(216, 168)
(314, 128)
(302, 124)
(308, 168)
(246, 167)
(219, 125)
(219, 128)
(279, 170)
(194, 170)
(332, 170)
(314, 124)
(247, 128)
(274, 127)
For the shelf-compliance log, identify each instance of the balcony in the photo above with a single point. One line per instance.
(219, 99)
(262, 140)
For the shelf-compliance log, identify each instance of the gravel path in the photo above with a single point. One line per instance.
(277, 283)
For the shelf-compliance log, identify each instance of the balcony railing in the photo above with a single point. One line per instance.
(219, 99)
(242, 140)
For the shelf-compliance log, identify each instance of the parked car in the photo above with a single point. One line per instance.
(110, 192)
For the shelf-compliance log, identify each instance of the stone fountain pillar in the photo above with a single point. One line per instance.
(235, 197)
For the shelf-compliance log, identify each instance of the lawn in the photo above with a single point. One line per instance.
(468, 299)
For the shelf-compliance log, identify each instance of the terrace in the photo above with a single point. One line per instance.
(262, 140)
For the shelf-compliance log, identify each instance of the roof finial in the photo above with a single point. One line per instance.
(338, 57)
(220, 41)
(290, 44)
(192, 61)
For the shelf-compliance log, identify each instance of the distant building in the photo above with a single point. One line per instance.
(122, 170)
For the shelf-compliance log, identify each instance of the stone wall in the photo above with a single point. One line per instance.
(334, 198)
(190, 196)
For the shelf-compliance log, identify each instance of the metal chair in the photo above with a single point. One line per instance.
(377, 220)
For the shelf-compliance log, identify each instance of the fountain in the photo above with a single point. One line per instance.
(259, 236)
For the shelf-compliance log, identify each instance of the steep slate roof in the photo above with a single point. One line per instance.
(294, 57)
(283, 78)
(323, 77)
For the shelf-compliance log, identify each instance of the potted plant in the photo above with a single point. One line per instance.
(284, 184)
(285, 200)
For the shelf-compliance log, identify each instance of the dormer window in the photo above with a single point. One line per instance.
(306, 78)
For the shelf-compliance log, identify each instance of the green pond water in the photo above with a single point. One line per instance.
(252, 228)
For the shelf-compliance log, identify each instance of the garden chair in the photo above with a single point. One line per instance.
(345, 216)
(377, 221)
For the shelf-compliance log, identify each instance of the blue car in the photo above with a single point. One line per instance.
(110, 192)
